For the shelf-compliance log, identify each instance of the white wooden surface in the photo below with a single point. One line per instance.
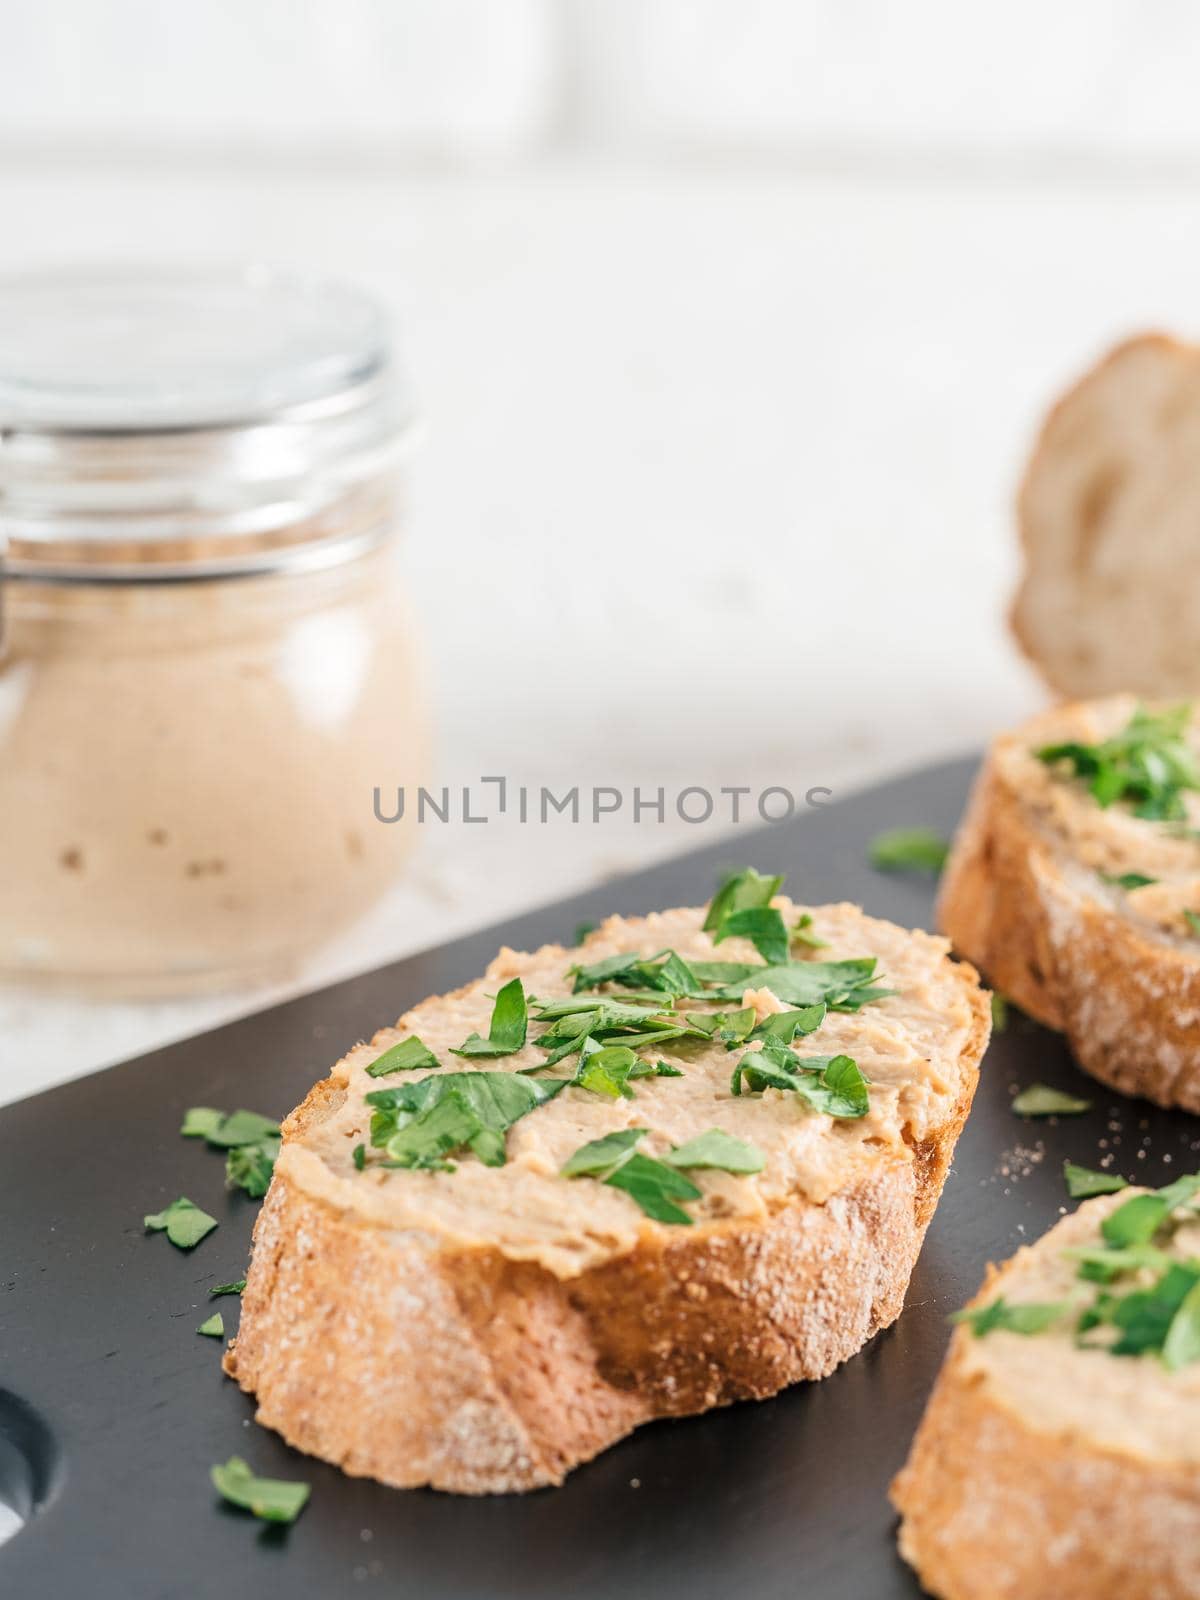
(742, 438)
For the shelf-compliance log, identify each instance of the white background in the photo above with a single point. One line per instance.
(731, 322)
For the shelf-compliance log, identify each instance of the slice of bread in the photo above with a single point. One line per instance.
(1038, 893)
(1108, 513)
(488, 1328)
(1046, 1468)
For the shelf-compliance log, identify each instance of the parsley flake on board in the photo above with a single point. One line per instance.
(183, 1223)
(200, 1121)
(1028, 1318)
(249, 1166)
(510, 1022)
(213, 1327)
(909, 850)
(1149, 764)
(270, 1499)
(1082, 1182)
(227, 1288)
(241, 1127)
(1040, 1100)
(408, 1056)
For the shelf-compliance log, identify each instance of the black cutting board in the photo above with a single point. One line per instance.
(120, 1409)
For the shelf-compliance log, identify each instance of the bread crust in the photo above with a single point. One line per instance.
(1129, 1004)
(1055, 444)
(399, 1357)
(993, 1508)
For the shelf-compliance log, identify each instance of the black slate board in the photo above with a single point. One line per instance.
(129, 1409)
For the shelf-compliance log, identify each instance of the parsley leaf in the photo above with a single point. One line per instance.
(184, 1223)
(249, 1166)
(840, 985)
(213, 1327)
(481, 1107)
(763, 926)
(802, 934)
(1139, 1219)
(407, 1056)
(655, 1186)
(200, 1121)
(999, 1011)
(1182, 1343)
(746, 890)
(830, 1084)
(1027, 1318)
(1149, 763)
(240, 1127)
(271, 1499)
(1039, 1100)
(909, 850)
(719, 1150)
(1082, 1181)
(600, 1155)
(1145, 1317)
(785, 1025)
(508, 1028)
(227, 1288)
(605, 1069)
(1128, 880)
(582, 929)
(1102, 1264)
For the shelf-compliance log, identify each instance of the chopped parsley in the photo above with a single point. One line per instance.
(802, 934)
(656, 1185)
(227, 1288)
(1040, 1100)
(271, 1499)
(909, 850)
(763, 926)
(746, 890)
(183, 1223)
(1138, 1220)
(719, 1150)
(830, 1084)
(420, 1124)
(1149, 764)
(510, 1021)
(238, 1128)
(999, 1011)
(213, 1327)
(1083, 1182)
(408, 1056)
(1028, 1318)
(200, 1121)
(1128, 880)
(606, 1069)
(249, 1166)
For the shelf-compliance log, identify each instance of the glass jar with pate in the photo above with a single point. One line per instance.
(204, 657)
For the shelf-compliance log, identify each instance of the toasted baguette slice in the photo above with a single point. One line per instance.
(1027, 895)
(486, 1329)
(1043, 1470)
(1108, 513)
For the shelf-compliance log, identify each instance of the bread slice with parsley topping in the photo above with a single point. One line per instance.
(1110, 596)
(1059, 1456)
(1074, 886)
(688, 1162)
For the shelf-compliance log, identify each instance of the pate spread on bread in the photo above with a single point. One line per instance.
(482, 1317)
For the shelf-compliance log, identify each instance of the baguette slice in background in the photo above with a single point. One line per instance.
(1079, 907)
(1109, 516)
(1047, 1466)
(486, 1326)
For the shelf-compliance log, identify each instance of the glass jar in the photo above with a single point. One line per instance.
(204, 654)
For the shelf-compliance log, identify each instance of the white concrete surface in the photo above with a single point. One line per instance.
(736, 448)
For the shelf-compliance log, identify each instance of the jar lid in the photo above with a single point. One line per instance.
(170, 415)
